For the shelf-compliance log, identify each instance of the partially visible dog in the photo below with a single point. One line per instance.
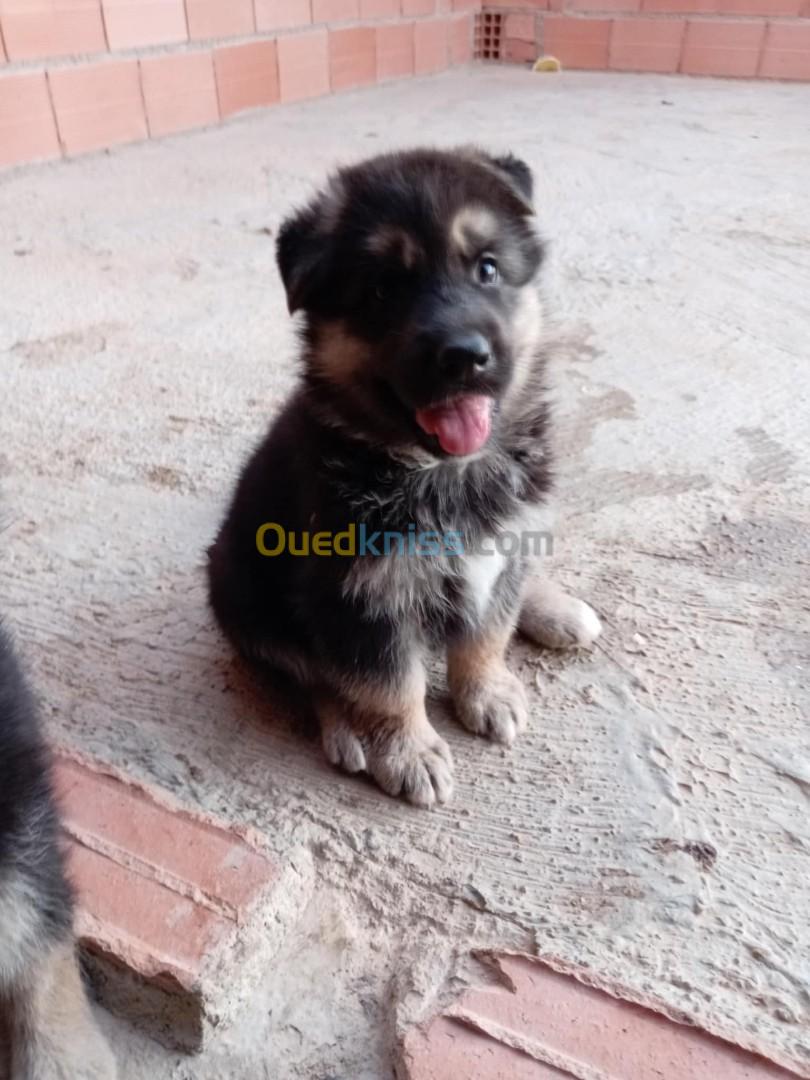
(46, 1029)
(420, 415)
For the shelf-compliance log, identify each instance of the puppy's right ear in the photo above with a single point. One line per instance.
(300, 255)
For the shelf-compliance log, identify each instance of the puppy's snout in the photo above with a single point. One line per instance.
(465, 354)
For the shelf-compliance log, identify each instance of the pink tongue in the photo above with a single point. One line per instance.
(462, 425)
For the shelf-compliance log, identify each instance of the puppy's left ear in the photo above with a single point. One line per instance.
(299, 254)
(517, 174)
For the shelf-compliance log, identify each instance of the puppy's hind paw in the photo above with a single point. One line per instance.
(553, 618)
(342, 747)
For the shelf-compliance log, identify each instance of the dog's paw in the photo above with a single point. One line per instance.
(412, 762)
(342, 746)
(556, 620)
(497, 709)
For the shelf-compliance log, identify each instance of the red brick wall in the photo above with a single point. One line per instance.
(743, 38)
(81, 75)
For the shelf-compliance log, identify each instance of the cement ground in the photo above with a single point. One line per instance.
(653, 823)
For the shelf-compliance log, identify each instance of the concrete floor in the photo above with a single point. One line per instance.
(653, 824)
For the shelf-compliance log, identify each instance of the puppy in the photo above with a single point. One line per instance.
(419, 421)
(46, 1028)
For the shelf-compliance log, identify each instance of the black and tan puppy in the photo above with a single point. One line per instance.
(415, 441)
(46, 1028)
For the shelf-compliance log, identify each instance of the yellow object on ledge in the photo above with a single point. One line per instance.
(547, 63)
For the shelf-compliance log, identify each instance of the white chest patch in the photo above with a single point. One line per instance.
(480, 574)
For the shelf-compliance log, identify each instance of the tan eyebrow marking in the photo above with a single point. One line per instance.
(473, 228)
(392, 240)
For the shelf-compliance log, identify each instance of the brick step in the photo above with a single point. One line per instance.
(542, 1021)
(178, 916)
(717, 45)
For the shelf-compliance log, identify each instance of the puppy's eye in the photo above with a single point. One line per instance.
(383, 287)
(487, 270)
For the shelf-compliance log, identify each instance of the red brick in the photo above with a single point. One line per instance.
(247, 76)
(98, 105)
(159, 925)
(447, 1051)
(126, 816)
(722, 47)
(379, 9)
(303, 65)
(577, 43)
(602, 6)
(173, 911)
(723, 7)
(332, 11)
(515, 51)
(282, 14)
(132, 24)
(37, 28)
(27, 126)
(679, 7)
(460, 40)
(786, 52)
(179, 92)
(553, 1017)
(430, 46)
(395, 51)
(352, 57)
(758, 7)
(418, 7)
(210, 19)
(640, 44)
(521, 27)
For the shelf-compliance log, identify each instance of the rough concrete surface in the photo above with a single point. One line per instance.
(653, 824)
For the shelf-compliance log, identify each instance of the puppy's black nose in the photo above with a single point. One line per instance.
(465, 354)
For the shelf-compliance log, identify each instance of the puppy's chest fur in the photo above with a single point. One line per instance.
(467, 507)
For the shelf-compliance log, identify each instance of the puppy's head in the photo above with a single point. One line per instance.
(416, 272)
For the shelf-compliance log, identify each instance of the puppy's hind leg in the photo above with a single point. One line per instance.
(50, 1029)
(551, 617)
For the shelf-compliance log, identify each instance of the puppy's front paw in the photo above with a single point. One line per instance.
(409, 761)
(413, 762)
(552, 618)
(496, 708)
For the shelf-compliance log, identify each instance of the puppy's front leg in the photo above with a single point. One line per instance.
(384, 730)
(552, 617)
(489, 699)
